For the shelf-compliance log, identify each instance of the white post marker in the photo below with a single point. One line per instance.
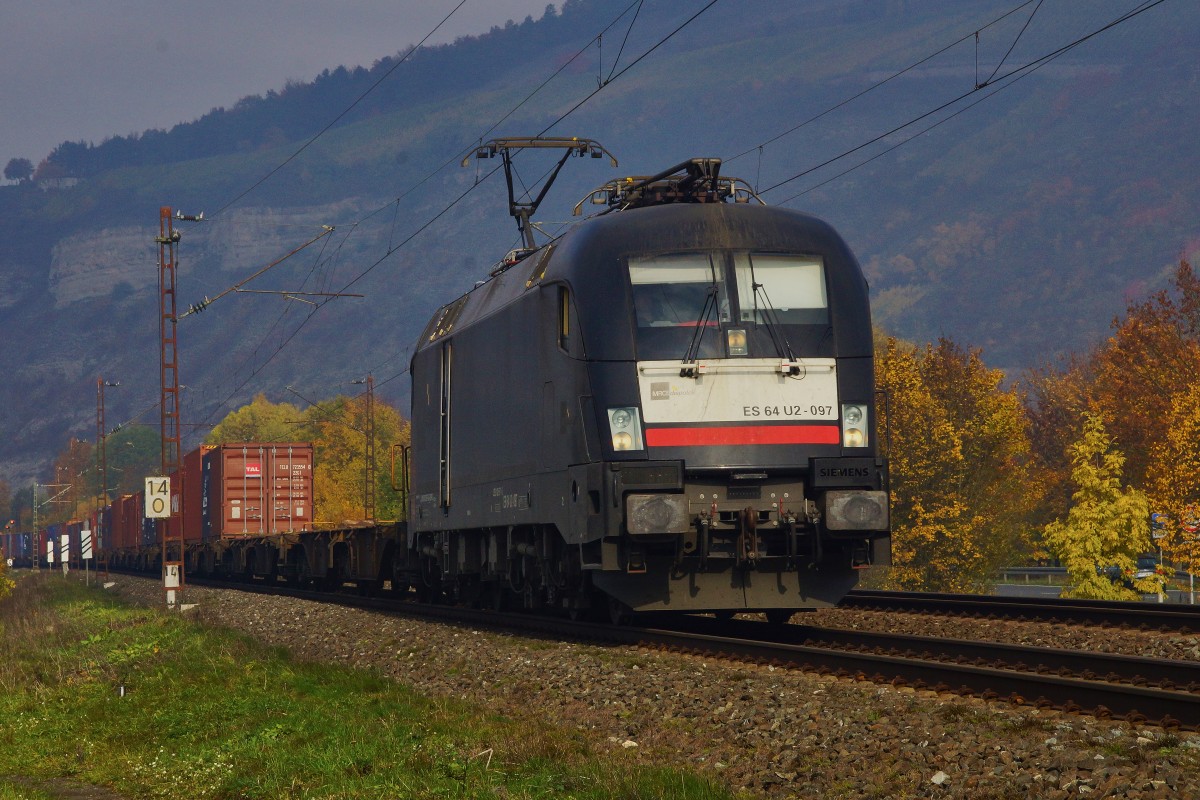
(50, 550)
(171, 583)
(64, 552)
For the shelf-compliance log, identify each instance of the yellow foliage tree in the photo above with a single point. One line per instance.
(1142, 366)
(1174, 479)
(958, 466)
(1106, 527)
(75, 482)
(258, 421)
(336, 429)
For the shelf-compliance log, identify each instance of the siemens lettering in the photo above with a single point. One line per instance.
(845, 472)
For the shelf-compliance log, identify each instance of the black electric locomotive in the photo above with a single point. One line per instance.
(669, 408)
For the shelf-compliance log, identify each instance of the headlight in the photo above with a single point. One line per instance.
(854, 510)
(854, 426)
(625, 427)
(657, 513)
(735, 339)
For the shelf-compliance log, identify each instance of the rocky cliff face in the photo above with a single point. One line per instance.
(93, 265)
(13, 285)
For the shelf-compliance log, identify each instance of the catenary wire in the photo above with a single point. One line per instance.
(339, 117)
(1012, 46)
(880, 154)
(1141, 8)
(631, 65)
(877, 85)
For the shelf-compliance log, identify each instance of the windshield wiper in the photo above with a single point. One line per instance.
(774, 327)
(688, 367)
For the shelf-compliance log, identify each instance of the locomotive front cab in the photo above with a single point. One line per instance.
(735, 385)
(776, 461)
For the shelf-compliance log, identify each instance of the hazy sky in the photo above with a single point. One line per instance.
(90, 69)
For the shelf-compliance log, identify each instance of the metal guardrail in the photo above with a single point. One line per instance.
(1027, 575)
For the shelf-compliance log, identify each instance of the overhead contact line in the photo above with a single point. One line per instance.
(347, 110)
(886, 80)
(1018, 72)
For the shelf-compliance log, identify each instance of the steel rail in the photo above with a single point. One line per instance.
(1168, 617)
(1092, 665)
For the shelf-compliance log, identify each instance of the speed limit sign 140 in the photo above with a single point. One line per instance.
(158, 498)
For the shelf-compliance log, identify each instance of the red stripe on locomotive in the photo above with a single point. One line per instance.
(743, 435)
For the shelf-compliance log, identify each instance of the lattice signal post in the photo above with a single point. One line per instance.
(171, 537)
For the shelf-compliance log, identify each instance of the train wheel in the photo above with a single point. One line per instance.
(779, 616)
(618, 612)
(495, 597)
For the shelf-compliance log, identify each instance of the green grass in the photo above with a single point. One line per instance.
(207, 713)
(13, 791)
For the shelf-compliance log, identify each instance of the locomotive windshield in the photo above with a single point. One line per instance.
(785, 290)
(677, 298)
(683, 302)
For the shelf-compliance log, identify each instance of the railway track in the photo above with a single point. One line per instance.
(1145, 616)
(1139, 690)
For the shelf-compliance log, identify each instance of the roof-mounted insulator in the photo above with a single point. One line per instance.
(695, 181)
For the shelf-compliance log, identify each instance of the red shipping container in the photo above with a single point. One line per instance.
(188, 506)
(127, 522)
(257, 489)
(112, 533)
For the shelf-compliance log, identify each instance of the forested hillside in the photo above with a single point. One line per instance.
(1020, 219)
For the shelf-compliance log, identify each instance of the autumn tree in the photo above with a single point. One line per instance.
(1150, 357)
(1055, 403)
(259, 421)
(336, 429)
(1174, 478)
(1130, 380)
(74, 481)
(958, 460)
(1106, 526)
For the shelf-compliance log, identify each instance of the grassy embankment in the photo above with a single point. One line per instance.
(208, 713)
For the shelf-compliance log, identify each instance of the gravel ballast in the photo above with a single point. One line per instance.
(768, 731)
